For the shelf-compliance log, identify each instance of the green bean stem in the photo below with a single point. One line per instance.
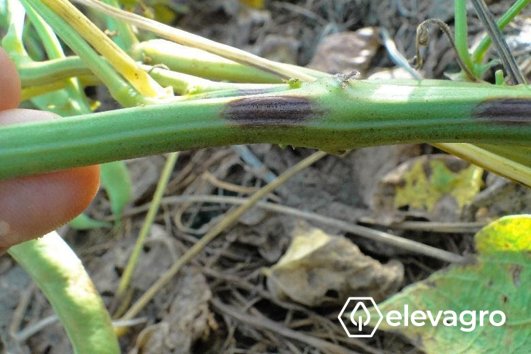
(330, 114)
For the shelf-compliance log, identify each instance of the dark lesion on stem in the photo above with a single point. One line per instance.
(508, 111)
(286, 111)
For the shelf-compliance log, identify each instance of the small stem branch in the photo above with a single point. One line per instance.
(506, 56)
(118, 87)
(422, 40)
(120, 61)
(489, 160)
(46, 72)
(125, 36)
(479, 53)
(127, 275)
(461, 34)
(54, 51)
(189, 39)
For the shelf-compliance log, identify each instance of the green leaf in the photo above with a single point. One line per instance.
(84, 222)
(499, 279)
(117, 182)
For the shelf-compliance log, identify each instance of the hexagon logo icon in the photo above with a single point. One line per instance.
(355, 316)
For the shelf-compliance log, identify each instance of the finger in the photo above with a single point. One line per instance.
(32, 206)
(9, 83)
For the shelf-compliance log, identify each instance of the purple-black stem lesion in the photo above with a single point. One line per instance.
(508, 111)
(283, 111)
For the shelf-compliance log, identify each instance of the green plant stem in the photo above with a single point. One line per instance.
(461, 33)
(192, 40)
(58, 70)
(479, 53)
(12, 42)
(77, 102)
(49, 40)
(184, 84)
(125, 280)
(123, 34)
(491, 158)
(509, 63)
(115, 56)
(201, 63)
(520, 156)
(328, 114)
(119, 88)
(46, 72)
(63, 280)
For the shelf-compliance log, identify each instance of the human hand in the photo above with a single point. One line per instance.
(33, 206)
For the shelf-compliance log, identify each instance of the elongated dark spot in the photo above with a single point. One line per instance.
(516, 271)
(505, 111)
(270, 111)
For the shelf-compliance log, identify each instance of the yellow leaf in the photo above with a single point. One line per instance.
(428, 181)
(510, 233)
